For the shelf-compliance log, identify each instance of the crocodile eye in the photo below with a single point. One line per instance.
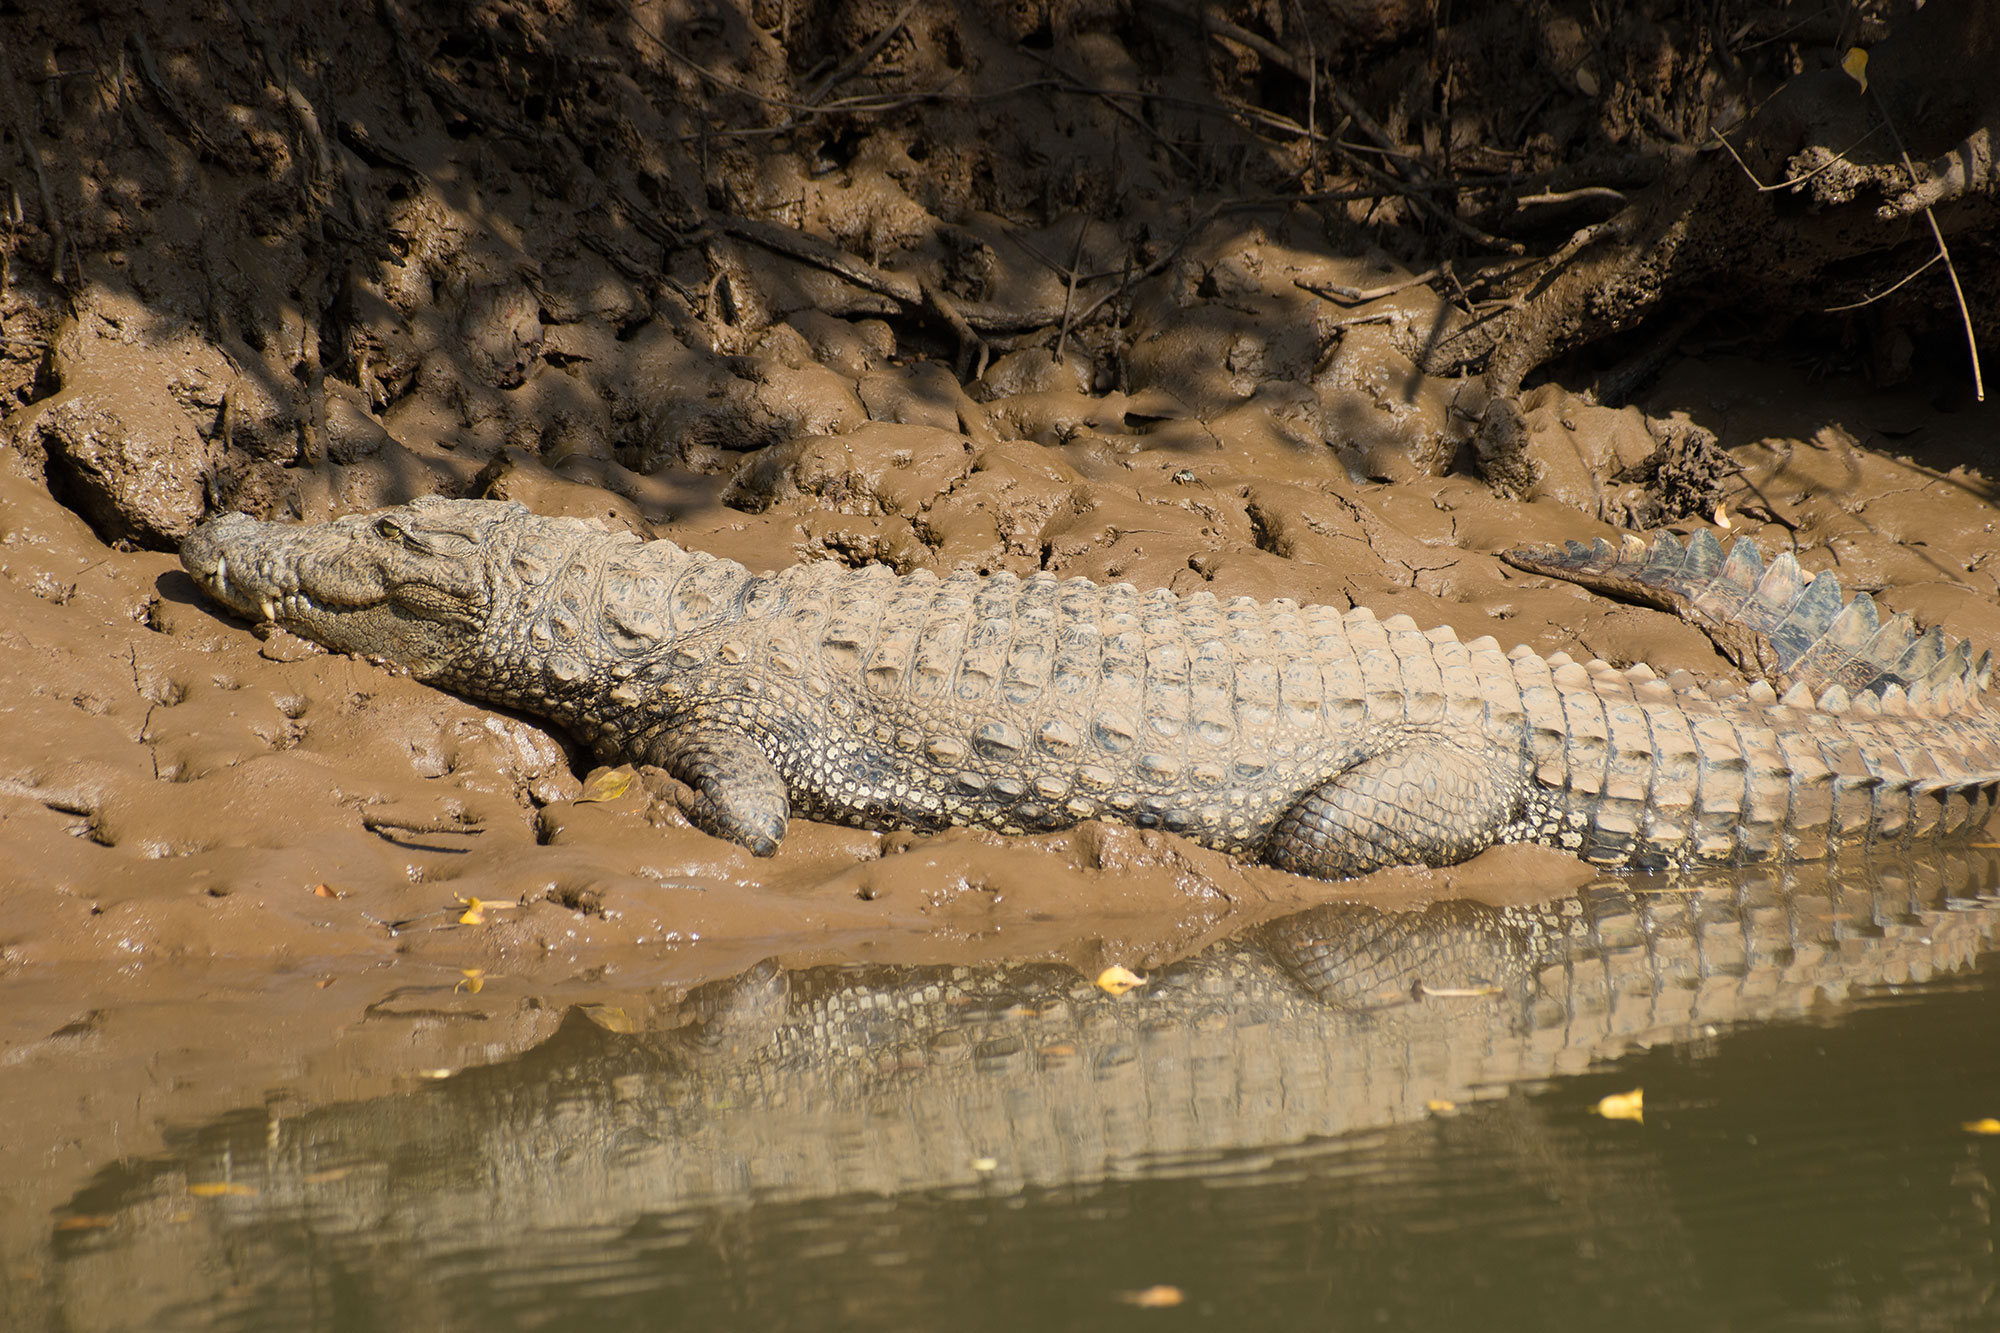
(387, 530)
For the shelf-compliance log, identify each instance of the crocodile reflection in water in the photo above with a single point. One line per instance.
(839, 1081)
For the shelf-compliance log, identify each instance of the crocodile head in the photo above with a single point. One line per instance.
(411, 585)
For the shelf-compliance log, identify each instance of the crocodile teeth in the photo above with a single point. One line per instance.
(268, 608)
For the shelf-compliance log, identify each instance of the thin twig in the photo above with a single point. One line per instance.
(1069, 292)
(24, 135)
(1792, 181)
(1871, 300)
(861, 57)
(1361, 295)
(389, 823)
(1573, 196)
(1944, 251)
(1110, 98)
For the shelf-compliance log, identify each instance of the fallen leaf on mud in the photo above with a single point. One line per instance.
(607, 1016)
(606, 785)
(1855, 64)
(1623, 1106)
(1987, 1126)
(327, 891)
(475, 979)
(1722, 518)
(217, 1189)
(1153, 1298)
(477, 908)
(1116, 980)
(1440, 1106)
(436, 1073)
(985, 1164)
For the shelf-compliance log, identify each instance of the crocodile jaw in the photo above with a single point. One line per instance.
(348, 585)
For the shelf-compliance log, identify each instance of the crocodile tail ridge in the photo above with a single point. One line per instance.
(1774, 620)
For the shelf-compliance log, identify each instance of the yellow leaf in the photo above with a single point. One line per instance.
(329, 1176)
(1439, 1106)
(475, 978)
(1722, 518)
(1987, 1126)
(985, 1164)
(609, 1017)
(1153, 1298)
(86, 1222)
(477, 908)
(436, 1073)
(607, 784)
(327, 891)
(1855, 62)
(1116, 980)
(1623, 1106)
(216, 1189)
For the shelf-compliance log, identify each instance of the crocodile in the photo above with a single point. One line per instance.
(775, 1092)
(1324, 742)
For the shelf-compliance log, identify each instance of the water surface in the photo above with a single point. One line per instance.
(1349, 1119)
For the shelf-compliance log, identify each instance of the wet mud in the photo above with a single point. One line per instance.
(990, 333)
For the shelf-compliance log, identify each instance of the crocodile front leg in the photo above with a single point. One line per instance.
(1426, 801)
(738, 794)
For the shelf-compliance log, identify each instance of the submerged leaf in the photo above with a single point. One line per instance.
(1153, 1298)
(1986, 1126)
(608, 1016)
(1623, 1106)
(216, 1189)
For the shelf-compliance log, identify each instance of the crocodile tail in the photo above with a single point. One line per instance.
(1798, 631)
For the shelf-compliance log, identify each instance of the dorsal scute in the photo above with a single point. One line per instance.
(1775, 619)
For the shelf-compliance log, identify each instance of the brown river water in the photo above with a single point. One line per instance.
(1352, 1117)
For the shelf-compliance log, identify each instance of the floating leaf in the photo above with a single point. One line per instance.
(1153, 1298)
(217, 1189)
(475, 979)
(436, 1073)
(1116, 980)
(1855, 62)
(607, 784)
(327, 1177)
(1623, 1106)
(985, 1164)
(1440, 1106)
(1987, 1126)
(608, 1016)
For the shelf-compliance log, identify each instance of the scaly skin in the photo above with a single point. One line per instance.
(1322, 742)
